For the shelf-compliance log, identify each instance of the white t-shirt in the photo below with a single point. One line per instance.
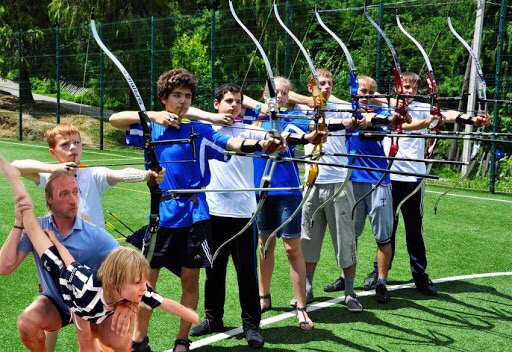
(334, 145)
(238, 172)
(92, 182)
(408, 147)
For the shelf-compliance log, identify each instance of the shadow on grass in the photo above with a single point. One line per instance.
(470, 313)
(295, 339)
(462, 308)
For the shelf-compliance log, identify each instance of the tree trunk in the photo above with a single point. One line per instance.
(25, 87)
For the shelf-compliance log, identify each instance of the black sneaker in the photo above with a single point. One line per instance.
(206, 327)
(381, 294)
(424, 285)
(254, 338)
(141, 346)
(370, 281)
(337, 285)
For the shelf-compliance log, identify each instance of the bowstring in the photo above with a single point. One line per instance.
(298, 51)
(255, 50)
(429, 52)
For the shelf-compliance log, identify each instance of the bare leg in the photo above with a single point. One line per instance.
(51, 340)
(383, 259)
(37, 318)
(144, 314)
(310, 267)
(110, 338)
(189, 298)
(266, 270)
(349, 272)
(297, 274)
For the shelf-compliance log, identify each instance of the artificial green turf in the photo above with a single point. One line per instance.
(467, 236)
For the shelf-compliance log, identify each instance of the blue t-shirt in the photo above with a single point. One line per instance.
(366, 146)
(286, 173)
(190, 168)
(87, 243)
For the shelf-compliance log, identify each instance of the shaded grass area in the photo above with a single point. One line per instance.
(467, 236)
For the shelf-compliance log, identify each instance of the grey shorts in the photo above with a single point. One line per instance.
(336, 215)
(378, 206)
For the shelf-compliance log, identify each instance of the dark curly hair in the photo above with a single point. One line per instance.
(175, 78)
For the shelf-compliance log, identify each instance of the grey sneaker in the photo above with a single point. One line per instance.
(309, 298)
(370, 281)
(206, 327)
(353, 304)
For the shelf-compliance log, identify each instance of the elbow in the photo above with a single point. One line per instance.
(114, 120)
(6, 270)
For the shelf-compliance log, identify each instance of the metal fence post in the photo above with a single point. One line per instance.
(287, 41)
(57, 60)
(495, 120)
(212, 56)
(102, 89)
(152, 65)
(379, 44)
(20, 88)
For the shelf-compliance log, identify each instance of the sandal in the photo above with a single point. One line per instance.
(306, 324)
(269, 307)
(182, 342)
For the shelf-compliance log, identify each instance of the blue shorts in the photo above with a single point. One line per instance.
(275, 211)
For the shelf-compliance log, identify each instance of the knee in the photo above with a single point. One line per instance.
(28, 323)
(271, 245)
(293, 252)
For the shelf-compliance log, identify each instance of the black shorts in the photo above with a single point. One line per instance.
(187, 247)
(65, 316)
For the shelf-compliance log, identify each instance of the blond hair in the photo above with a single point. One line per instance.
(64, 129)
(122, 266)
(412, 78)
(367, 82)
(48, 190)
(285, 81)
(320, 73)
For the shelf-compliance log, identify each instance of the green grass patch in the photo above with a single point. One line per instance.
(468, 236)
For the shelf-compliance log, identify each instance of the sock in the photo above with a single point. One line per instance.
(349, 286)
(381, 281)
(309, 283)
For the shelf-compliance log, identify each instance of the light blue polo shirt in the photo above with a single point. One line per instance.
(88, 244)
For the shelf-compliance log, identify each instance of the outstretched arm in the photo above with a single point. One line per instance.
(32, 227)
(30, 169)
(134, 175)
(175, 308)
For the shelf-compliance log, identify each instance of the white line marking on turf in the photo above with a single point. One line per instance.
(473, 197)
(44, 147)
(218, 337)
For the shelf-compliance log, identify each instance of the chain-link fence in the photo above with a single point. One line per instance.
(67, 65)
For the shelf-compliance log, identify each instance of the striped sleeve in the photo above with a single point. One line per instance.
(151, 298)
